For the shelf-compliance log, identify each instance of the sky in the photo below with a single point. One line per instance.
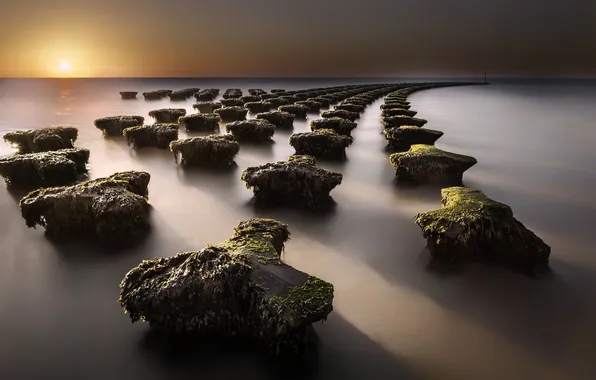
(298, 38)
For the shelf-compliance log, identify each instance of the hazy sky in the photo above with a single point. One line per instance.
(224, 38)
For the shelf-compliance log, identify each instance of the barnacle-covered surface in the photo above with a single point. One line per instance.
(321, 143)
(339, 125)
(207, 107)
(296, 183)
(43, 139)
(352, 116)
(114, 125)
(228, 114)
(471, 226)
(398, 121)
(256, 130)
(52, 168)
(167, 115)
(428, 164)
(156, 135)
(405, 136)
(298, 110)
(111, 209)
(208, 151)
(200, 122)
(277, 118)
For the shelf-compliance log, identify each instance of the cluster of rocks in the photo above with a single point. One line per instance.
(207, 95)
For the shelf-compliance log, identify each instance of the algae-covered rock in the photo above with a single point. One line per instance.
(232, 93)
(256, 91)
(52, 168)
(472, 227)
(299, 111)
(428, 164)
(398, 105)
(200, 122)
(257, 107)
(321, 143)
(340, 126)
(250, 98)
(303, 158)
(276, 102)
(114, 125)
(232, 102)
(156, 135)
(277, 118)
(167, 115)
(313, 106)
(153, 95)
(112, 209)
(398, 121)
(291, 99)
(361, 101)
(343, 114)
(350, 107)
(43, 139)
(128, 94)
(207, 107)
(240, 288)
(229, 114)
(407, 135)
(256, 130)
(268, 96)
(277, 90)
(207, 95)
(297, 183)
(324, 102)
(398, 112)
(208, 151)
(180, 95)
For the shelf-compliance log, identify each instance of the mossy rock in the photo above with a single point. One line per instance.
(302, 96)
(240, 288)
(268, 96)
(290, 98)
(277, 118)
(111, 209)
(114, 125)
(321, 143)
(342, 114)
(156, 135)
(154, 95)
(229, 114)
(232, 102)
(128, 94)
(426, 164)
(398, 121)
(167, 115)
(390, 106)
(43, 139)
(472, 227)
(313, 106)
(324, 102)
(52, 168)
(405, 136)
(258, 107)
(350, 107)
(340, 126)
(208, 151)
(299, 111)
(276, 102)
(396, 97)
(179, 95)
(200, 122)
(207, 95)
(256, 91)
(362, 102)
(232, 93)
(398, 112)
(250, 98)
(256, 130)
(295, 183)
(303, 158)
(277, 90)
(207, 107)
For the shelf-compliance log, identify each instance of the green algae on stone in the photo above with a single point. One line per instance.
(398, 112)
(339, 125)
(229, 114)
(258, 107)
(407, 135)
(128, 94)
(156, 135)
(232, 102)
(250, 99)
(114, 125)
(276, 102)
(111, 209)
(390, 106)
(398, 121)
(240, 288)
(255, 130)
(472, 227)
(277, 118)
(167, 115)
(200, 122)
(299, 111)
(324, 102)
(343, 114)
(321, 143)
(43, 139)
(207, 107)
(428, 164)
(350, 107)
(295, 183)
(310, 160)
(52, 168)
(208, 151)
(313, 106)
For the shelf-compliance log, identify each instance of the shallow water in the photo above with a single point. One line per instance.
(394, 318)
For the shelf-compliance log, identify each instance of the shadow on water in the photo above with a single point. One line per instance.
(220, 181)
(262, 149)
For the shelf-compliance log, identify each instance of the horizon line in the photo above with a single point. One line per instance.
(319, 78)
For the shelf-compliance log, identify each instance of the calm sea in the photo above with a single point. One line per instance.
(393, 318)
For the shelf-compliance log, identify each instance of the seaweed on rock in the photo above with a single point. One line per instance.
(350, 107)
(276, 102)
(313, 106)
(232, 93)
(257, 107)
(200, 122)
(153, 95)
(207, 95)
(343, 114)
(340, 126)
(256, 91)
(398, 121)
(43, 139)
(128, 94)
(207, 107)
(208, 151)
(299, 111)
(324, 102)
(290, 98)
(229, 114)
(156, 135)
(407, 135)
(297, 183)
(390, 106)
(277, 90)
(278, 118)
(232, 102)
(112, 209)
(114, 125)
(255, 130)
(472, 227)
(167, 115)
(250, 98)
(268, 96)
(321, 143)
(398, 112)
(427, 164)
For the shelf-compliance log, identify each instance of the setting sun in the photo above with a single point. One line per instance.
(64, 67)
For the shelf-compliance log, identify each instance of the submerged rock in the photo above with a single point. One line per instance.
(299, 111)
(313, 106)
(472, 227)
(207, 107)
(200, 122)
(167, 115)
(398, 112)
(350, 107)
(114, 125)
(428, 164)
(291, 99)
(297, 183)
(111, 209)
(43, 139)
(268, 96)
(398, 121)
(324, 102)
(180, 95)
(207, 94)
(52, 168)
(154, 95)
(321, 143)
(208, 151)
(405, 136)
(240, 288)
(256, 91)
(156, 135)
(250, 98)
(257, 130)
(343, 114)
(276, 102)
(340, 126)
(232, 93)
(389, 106)
(229, 114)
(277, 118)
(232, 102)
(256, 107)
(128, 94)
(277, 90)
